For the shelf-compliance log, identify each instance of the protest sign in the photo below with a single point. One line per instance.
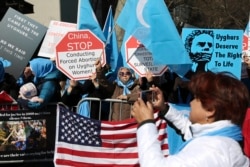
(55, 33)
(214, 50)
(246, 44)
(246, 40)
(140, 59)
(77, 53)
(246, 56)
(27, 135)
(20, 37)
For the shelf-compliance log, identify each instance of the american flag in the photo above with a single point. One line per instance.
(84, 142)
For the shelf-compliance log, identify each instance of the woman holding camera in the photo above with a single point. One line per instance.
(212, 132)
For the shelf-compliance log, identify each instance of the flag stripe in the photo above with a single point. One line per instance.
(116, 131)
(100, 160)
(94, 154)
(95, 149)
(119, 145)
(78, 164)
(114, 139)
(97, 157)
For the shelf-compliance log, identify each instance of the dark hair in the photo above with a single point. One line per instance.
(223, 93)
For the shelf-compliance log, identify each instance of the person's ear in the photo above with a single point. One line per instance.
(210, 115)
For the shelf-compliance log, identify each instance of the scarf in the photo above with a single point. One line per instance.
(233, 132)
(84, 107)
(125, 86)
(42, 67)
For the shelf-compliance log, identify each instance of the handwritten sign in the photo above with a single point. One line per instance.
(55, 33)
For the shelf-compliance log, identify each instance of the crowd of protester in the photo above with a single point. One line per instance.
(222, 98)
(42, 83)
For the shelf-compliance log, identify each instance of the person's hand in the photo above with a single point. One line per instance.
(122, 97)
(62, 85)
(53, 59)
(92, 76)
(27, 72)
(73, 83)
(13, 142)
(98, 64)
(94, 80)
(159, 101)
(36, 99)
(141, 111)
(149, 76)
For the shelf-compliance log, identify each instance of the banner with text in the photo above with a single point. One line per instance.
(20, 37)
(140, 59)
(27, 135)
(55, 33)
(214, 50)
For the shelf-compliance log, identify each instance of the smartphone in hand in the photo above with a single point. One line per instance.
(147, 95)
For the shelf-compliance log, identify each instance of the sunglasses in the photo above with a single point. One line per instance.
(124, 73)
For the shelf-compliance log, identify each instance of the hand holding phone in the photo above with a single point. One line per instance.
(147, 95)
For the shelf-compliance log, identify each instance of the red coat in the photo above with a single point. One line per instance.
(246, 133)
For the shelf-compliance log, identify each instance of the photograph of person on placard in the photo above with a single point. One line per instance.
(199, 45)
(214, 50)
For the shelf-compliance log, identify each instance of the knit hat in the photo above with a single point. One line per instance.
(28, 90)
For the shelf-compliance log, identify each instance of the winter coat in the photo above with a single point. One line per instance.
(48, 89)
(81, 90)
(46, 79)
(201, 151)
(120, 111)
